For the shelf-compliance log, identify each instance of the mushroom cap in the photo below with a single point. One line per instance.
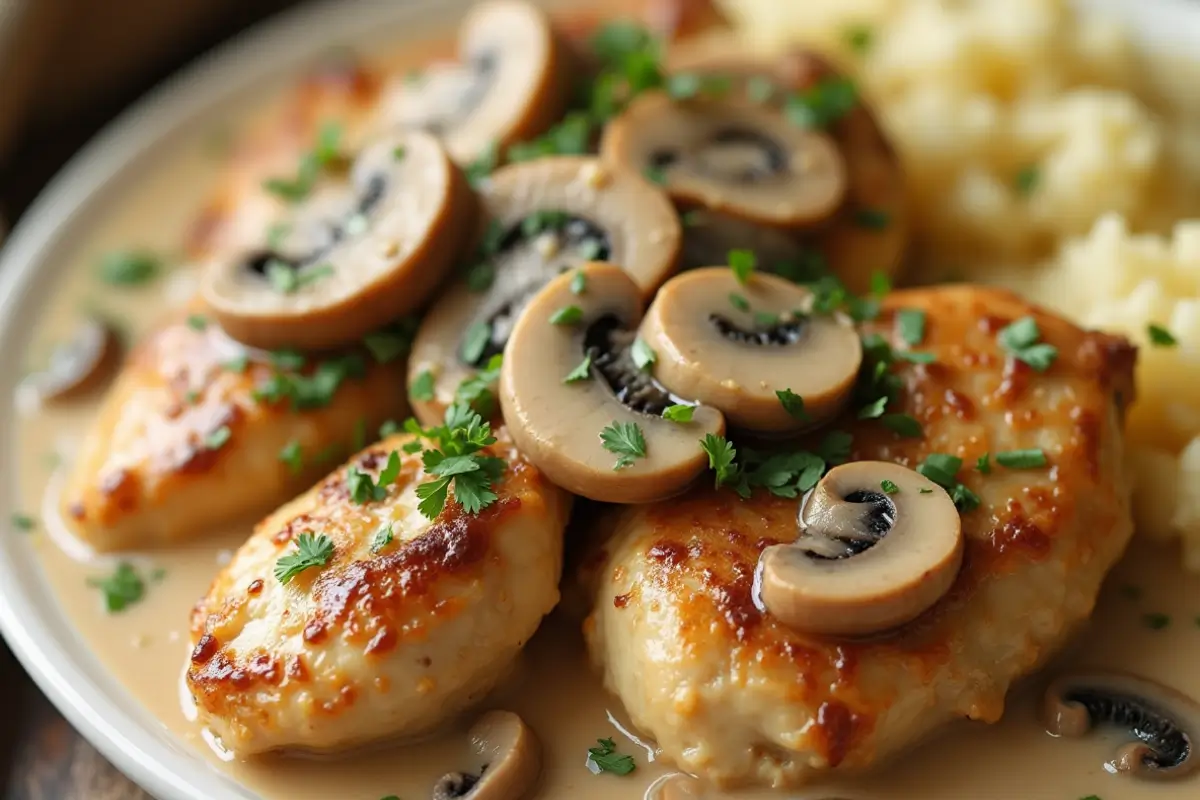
(825, 583)
(1167, 721)
(708, 236)
(511, 83)
(557, 424)
(712, 351)
(874, 172)
(643, 236)
(78, 365)
(731, 155)
(412, 205)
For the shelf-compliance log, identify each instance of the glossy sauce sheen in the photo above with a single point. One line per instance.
(553, 688)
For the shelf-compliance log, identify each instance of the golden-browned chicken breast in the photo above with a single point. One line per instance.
(388, 634)
(732, 694)
(197, 430)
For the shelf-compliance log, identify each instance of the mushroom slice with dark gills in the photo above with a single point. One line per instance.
(511, 762)
(79, 365)
(879, 544)
(731, 155)
(546, 217)
(737, 346)
(359, 252)
(869, 230)
(1165, 722)
(563, 384)
(511, 83)
(733, 694)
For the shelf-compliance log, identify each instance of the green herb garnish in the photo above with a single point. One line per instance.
(626, 440)
(23, 522)
(739, 302)
(1021, 341)
(1027, 179)
(679, 413)
(1160, 336)
(607, 759)
(582, 371)
(128, 267)
(292, 455)
(888, 487)
(793, 404)
(742, 262)
(422, 387)
(217, 439)
(311, 551)
(121, 589)
(1022, 459)
(382, 538)
(578, 282)
(456, 460)
(911, 325)
(643, 355)
(567, 315)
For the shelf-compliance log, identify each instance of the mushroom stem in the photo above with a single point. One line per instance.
(1162, 720)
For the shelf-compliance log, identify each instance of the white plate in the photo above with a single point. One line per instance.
(30, 618)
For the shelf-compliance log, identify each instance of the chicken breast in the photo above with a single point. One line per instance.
(197, 431)
(733, 695)
(389, 638)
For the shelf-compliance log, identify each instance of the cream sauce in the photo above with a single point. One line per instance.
(554, 689)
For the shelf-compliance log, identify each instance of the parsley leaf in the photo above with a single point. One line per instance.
(911, 324)
(23, 522)
(311, 551)
(121, 589)
(128, 267)
(793, 404)
(679, 413)
(643, 355)
(1160, 336)
(475, 341)
(889, 487)
(582, 371)
(983, 464)
(287, 279)
(743, 263)
(393, 342)
(197, 322)
(1027, 179)
(217, 439)
(567, 315)
(382, 538)
(902, 425)
(721, 457)
(324, 152)
(1021, 340)
(1022, 459)
(456, 461)
(626, 440)
(822, 104)
(291, 455)
(873, 410)
(607, 759)
(739, 302)
(422, 386)
(858, 38)
(578, 282)
(835, 447)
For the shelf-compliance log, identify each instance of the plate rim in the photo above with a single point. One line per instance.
(273, 47)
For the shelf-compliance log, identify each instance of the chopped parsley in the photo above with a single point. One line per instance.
(23, 522)
(398, 153)
(567, 315)
(793, 404)
(656, 175)
(889, 487)
(1160, 336)
(121, 589)
(238, 363)
(858, 38)
(197, 322)
(1027, 179)
(475, 341)
(389, 428)
(910, 322)
(943, 469)
(315, 390)
(784, 474)
(276, 233)
(1022, 459)
(679, 413)
(765, 319)
(721, 457)
(902, 425)
(822, 104)
(1021, 341)
(128, 267)
(1156, 621)
(607, 759)
(626, 440)
(478, 170)
(743, 263)
(643, 355)
(874, 409)
(311, 551)
(578, 282)
(760, 89)
(983, 464)
(382, 538)
(288, 359)
(476, 391)
(286, 279)
(217, 439)
(915, 356)
(739, 302)
(422, 387)
(292, 454)
(872, 218)
(456, 461)
(393, 342)
(324, 152)
(363, 489)
(582, 371)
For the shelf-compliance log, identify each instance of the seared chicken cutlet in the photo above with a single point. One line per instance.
(197, 430)
(402, 624)
(732, 694)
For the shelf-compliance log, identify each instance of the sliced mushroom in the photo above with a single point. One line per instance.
(879, 544)
(78, 365)
(358, 254)
(546, 217)
(731, 155)
(511, 762)
(708, 236)
(557, 423)
(1163, 720)
(735, 347)
(870, 229)
(511, 83)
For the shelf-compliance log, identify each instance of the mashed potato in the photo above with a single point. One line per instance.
(1036, 159)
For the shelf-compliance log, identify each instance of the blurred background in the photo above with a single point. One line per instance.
(66, 68)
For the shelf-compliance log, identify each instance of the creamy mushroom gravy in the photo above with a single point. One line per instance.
(553, 687)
